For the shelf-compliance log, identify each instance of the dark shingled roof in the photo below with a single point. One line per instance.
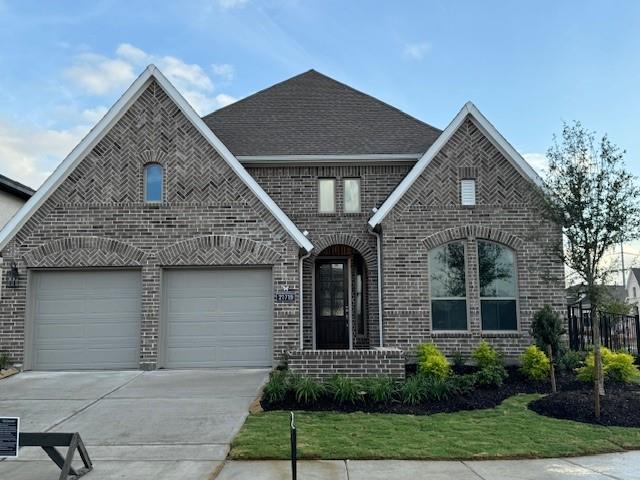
(15, 188)
(636, 273)
(312, 114)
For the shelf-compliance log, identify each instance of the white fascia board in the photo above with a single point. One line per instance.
(100, 130)
(468, 110)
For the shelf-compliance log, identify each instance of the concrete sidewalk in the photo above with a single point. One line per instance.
(617, 466)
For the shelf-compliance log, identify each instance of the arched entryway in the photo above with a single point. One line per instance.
(340, 298)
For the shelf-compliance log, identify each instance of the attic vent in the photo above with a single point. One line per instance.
(468, 191)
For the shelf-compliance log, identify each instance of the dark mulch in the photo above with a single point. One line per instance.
(620, 406)
(480, 398)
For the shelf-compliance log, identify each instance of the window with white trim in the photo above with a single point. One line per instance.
(498, 289)
(327, 195)
(468, 192)
(153, 180)
(447, 281)
(352, 195)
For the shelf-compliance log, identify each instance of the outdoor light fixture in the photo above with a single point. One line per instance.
(12, 276)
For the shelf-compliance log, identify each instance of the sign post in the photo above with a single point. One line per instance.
(294, 449)
(9, 437)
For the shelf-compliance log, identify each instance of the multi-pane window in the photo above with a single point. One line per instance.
(153, 174)
(327, 195)
(497, 272)
(352, 195)
(448, 287)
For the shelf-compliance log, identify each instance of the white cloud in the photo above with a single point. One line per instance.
(93, 115)
(229, 4)
(538, 161)
(224, 71)
(29, 153)
(99, 75)
(416, 51)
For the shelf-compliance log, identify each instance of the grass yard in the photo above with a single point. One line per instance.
(509, 431)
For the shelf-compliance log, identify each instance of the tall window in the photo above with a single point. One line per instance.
(361, 328)
(352, 195)
(327, 195)
(448, 287)
(497, 272)
(153, 174)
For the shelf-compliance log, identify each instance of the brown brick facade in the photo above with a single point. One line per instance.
(430, 214)
(97, 218)
(324, 364)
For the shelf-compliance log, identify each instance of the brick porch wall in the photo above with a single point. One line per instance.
(324, 364)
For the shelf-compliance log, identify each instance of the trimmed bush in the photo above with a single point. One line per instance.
(458, 359)
(381, 389)
(277, 387)
(4, 361)
(492, 376)
(616, 366)
(306, 389)
(535, 364)
(432, 362)
(464, 383)
(344, 390)
(486, 356)
(571, 360)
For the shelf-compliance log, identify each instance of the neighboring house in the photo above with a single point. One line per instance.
(168, 241)
(633, 288)
(12, 196)
(577, 295)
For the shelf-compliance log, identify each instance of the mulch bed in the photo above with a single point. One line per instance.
(620, 406)
(479, 398)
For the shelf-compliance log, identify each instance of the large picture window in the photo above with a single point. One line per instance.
(448, 287)
(497, 272)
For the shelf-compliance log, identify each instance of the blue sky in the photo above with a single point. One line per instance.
(527, 66)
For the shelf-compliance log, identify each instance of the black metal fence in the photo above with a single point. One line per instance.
(617, 331)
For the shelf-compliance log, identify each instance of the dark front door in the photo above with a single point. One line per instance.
(332, 306)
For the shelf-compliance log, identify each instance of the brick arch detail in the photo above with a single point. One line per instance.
(84, 251)
(153, 156)
(351, 241)
(472, 231)
(217, 249)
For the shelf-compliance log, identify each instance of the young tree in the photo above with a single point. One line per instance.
(590, 194)
(547, 329)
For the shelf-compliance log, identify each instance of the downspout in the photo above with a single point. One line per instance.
(300, 296)
(379, 266)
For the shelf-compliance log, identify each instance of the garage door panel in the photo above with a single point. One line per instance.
(218, 317)
(86, 319)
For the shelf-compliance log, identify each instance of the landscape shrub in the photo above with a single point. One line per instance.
(535, 364)
(491, 376)
(458, 359)
(486, 356)
(616, 366)
(439, 389)
(4, 361)
(381, 389)
(547, 329)
(432, 362)
(277, 387)
(306, 389)
(413, 390)
(464, 383)
(344, 389)
(570, 360)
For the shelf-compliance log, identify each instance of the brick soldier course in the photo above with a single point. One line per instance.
(211, 216)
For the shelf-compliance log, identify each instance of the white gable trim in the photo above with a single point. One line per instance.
(469, 110)
(111, 118)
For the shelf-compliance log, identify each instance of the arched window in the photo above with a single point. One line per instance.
(153, 173)
(498, 290)
(448, 287)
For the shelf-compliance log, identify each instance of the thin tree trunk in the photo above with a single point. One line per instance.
(598, 381)
(552, 371)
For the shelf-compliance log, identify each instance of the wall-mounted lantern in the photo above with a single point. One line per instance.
(12, 276)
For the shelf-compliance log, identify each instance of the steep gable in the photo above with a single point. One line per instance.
(312, 114)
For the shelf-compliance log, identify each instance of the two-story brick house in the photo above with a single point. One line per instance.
(308, 221)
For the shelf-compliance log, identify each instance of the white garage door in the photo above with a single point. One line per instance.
(85, 319)
(218, 318)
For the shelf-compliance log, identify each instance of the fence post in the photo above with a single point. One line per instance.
(638, 334)
(294, 449)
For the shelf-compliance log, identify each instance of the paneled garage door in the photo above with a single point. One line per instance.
(218, 318)
(85, 319)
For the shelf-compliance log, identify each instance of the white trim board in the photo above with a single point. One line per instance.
(471, 111)
(111, 118)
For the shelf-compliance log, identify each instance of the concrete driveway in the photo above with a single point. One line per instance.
(174, 424)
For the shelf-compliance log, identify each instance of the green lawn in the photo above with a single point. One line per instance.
(508, 431)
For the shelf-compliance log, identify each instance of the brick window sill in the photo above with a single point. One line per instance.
(501, 334)
(451, 334)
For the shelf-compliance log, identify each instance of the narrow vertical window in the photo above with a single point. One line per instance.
(153, 174)
(448, 287)
(352, 195)
(361, 327)
(468, 192)
(327, 195)
(497, 271)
